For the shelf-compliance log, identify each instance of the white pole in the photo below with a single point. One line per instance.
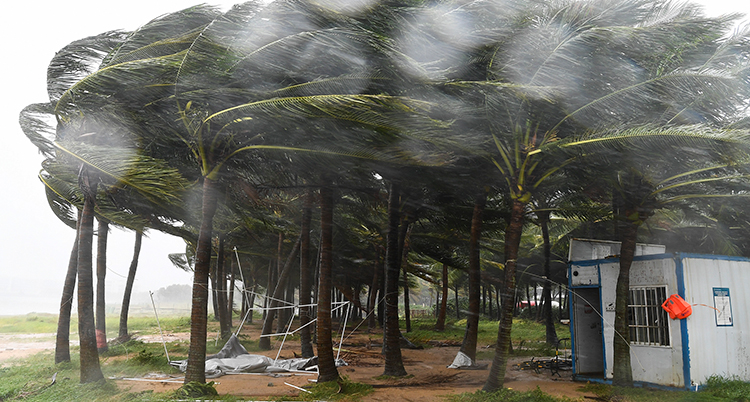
(150, 293)
(291, 319)
(343, 331)
(244, 292)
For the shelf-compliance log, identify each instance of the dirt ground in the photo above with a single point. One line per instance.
(428, 380)
(16, 346)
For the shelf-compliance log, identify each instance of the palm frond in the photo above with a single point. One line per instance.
(36, 122)
(126, 168)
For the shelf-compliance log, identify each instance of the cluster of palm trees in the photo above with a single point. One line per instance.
(430, 133)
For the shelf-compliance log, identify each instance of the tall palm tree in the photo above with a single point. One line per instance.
(305, 277)
(123, 328)
(101, 274)
(89, 356)
(326, 365)
(469, 343)
(394, 365)
(62, 336)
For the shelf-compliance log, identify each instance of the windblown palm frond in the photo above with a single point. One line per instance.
(36, 122)
(681, 141)
(160, 31)
(125, 168)
(79, 59)
(63, 198)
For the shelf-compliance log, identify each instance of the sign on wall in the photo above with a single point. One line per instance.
(723, 307)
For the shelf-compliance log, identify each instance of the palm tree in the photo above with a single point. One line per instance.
(123, 329)
(90, 369)
(394, 365)
(440, 322)
(101, 273)
(326, 366)
(305, 277)
(62, 336)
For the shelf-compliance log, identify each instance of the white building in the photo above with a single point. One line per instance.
(681, 353)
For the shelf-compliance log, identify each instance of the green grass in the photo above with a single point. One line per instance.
(32, 382)
(717, 389)
(507, 395)
(42, 323)
(731, 389)
(344, 390)
(32, 323)
(528, 336)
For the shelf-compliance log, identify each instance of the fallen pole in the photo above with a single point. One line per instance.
(150, 293)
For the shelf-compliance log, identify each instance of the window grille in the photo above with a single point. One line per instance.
(648, 322)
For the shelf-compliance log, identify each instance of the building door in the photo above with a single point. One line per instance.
(587, 331)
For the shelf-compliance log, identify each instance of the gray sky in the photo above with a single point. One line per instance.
(34, 245)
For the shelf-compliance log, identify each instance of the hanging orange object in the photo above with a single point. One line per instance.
(677, 307)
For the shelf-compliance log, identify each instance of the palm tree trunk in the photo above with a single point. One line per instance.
(90, 369)
(440, 324)
(279, 313)
(278, 292)
(101, 274)
(484, 300)
(372, 301)
(326, 364)
(123, 332)
(394, 365)
(213, 272)
(403, 251)
(305, 313)
(489, 301)
(269, 283)
(497, 301)
(623, 373)
(455, 296)
(549, 324)
(407, 307)
(469, 344)
(225, 317)
(512, 242)
(196, 367)
(251, 303)
(62, 339)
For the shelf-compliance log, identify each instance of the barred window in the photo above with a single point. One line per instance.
(648, 322)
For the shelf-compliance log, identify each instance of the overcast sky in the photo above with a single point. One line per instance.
(34, 245)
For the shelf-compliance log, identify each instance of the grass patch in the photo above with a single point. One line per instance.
(134, 358)
(32, 323)
(343, 390)
(717, 389)
(507, 395)
(528, 336)
(32, 382)
(731, 389)
(43, 323)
